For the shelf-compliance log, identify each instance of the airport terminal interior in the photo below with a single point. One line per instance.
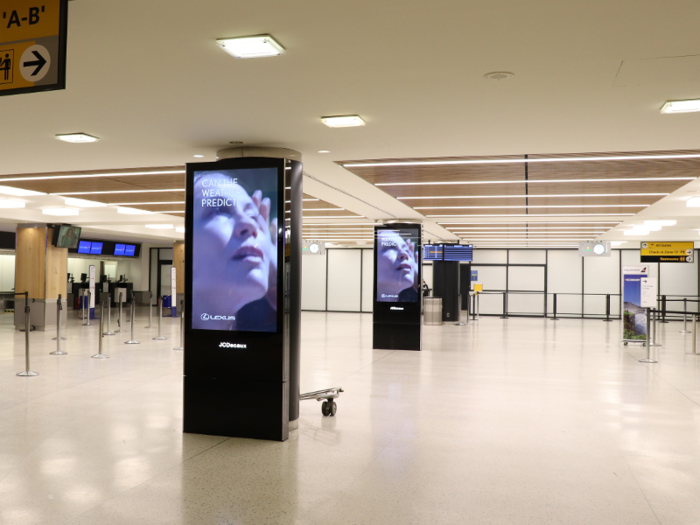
(478, 219)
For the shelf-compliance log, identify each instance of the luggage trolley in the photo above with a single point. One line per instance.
(328, 408)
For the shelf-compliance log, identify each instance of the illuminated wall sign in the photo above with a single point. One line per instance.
(667, 252)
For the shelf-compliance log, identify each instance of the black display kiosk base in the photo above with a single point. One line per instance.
(242, 300)
(397, 286)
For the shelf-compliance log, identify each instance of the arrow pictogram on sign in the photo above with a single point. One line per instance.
(39, 63)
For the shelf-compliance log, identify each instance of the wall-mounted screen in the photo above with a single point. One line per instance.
(458, 252)
(234, 253)
(432, 252)
(397, 252)
(66, 236)
(96, 248)
(129, 250)
(119, 249)
(84, 247)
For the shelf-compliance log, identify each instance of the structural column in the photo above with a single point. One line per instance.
(41, 270)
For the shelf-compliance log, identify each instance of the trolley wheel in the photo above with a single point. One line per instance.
(334, 408)
(326, 409)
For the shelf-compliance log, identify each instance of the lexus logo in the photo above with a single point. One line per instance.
(205, 317)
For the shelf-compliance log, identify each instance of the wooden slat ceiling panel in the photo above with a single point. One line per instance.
(111, 198)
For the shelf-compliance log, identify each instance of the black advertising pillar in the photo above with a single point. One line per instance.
(397, 287)
(446, 285)
(296, 197)
(240, 292)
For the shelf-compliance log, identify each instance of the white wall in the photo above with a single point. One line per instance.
(564, 276)
(367, 280)
(344, 280)
(313, 282)
(601, 276)
(7, 272)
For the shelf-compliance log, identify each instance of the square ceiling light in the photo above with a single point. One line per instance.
(251, 46)
(82, 203)
(11, 203)
(681, 106)
(77, 138)
(343, 121)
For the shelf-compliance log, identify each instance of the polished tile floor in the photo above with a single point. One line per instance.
(515, 422)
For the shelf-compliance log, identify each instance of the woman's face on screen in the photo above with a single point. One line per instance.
(395, 267)
(232, 250)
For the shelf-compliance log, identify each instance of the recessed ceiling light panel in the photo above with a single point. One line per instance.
(60, 212)
(251, 46)
(693, 202)
(681, 106)
(343, 121)
(18, 192)
(77, 138)
(83, 203)
(11, 203)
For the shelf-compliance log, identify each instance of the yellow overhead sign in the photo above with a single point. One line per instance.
(32, 45)
(667, 252)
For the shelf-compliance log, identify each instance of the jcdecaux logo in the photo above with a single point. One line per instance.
(232, 345)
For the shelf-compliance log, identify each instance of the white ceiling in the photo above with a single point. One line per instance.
(149, 80)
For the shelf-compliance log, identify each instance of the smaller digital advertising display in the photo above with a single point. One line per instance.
(84, 247)
(66, 236)
(96, 248)
(397, 254)
(234, 250)
(119, 249)
(432, 252)
(458, 252)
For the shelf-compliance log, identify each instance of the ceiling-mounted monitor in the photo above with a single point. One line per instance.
(66, 236)
(96, 248)
(119, 249)
(432, 252)
(84, 247)
(458, 252)
(130, 250)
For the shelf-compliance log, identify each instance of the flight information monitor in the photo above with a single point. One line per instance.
(432, 252)
(129, 250)
(84, 247)
(96, 248)
(458, 252)
(119, 249)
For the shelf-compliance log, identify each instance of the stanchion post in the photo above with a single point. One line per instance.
(150, 309)
(27, 327)
(607, 309)
(647, 343)
(109, 316)
(81, 295)
(655, 328)
(133, 340)
(477, 306)
(554, 308)
(87, 321)
(59, 309)
(182, 327)
(160, 320)
(663, 309)
(119, 321)
(99, 354)
(505, 306)
(685, 316)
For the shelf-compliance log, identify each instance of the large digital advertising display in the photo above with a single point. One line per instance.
(234, 250)
(397, 253)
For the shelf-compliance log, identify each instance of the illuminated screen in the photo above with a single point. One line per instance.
(84, 247)
(432, 252)
(234, 253)
(398, 256)
(458, 252)
(96, 248)
(68, 237)
(119, 249)
(129, 250)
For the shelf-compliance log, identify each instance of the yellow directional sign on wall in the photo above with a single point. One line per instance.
(32, 45)
(667, 252)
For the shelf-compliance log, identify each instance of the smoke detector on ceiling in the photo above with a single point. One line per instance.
(499, 75)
